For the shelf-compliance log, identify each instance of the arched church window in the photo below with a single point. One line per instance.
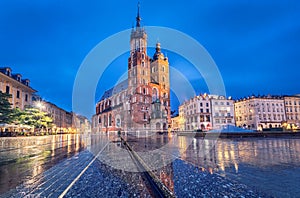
(154, 94)
(109, 120)
(118, 122)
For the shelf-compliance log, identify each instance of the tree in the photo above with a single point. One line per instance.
(6, 112)
(35, 117)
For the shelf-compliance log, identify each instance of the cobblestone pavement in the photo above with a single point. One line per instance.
(230, 169)
(99, 180)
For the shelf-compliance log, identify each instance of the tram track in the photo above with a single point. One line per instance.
(49, 183)
(157, 188)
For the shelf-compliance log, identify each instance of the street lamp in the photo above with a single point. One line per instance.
(40, 105)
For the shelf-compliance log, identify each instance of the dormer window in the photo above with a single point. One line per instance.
(8, 72)
(19, 77)
(27, 82)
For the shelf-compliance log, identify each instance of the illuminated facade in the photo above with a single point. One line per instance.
(61, 118)
(175, 126)
(63, 121)
(292, 110)
(197, 113)
(181, 118)
(205, 112)
(142, 102)
(260, 112)
(19, 88)
(222, 110)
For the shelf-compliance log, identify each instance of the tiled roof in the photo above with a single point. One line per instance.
(116, 89)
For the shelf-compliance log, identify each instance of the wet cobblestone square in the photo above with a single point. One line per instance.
(100, 166)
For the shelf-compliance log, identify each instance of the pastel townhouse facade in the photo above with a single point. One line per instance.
(196, 113)
(175, 126)
(206, 112)
(260, 112)
(19, 88)
(292, 111)
(222, 110)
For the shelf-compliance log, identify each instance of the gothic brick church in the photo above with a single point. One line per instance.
(141, 102)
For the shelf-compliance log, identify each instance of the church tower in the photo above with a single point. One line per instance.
(160, 79)
(139, 89)
(139, 61)
(142, 103)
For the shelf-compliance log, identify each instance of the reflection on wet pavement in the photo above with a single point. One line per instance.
(250, 167)
(23, 158)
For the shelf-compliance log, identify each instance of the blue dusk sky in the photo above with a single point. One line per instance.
(255, 44)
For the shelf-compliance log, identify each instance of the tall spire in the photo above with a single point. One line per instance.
(138, 18)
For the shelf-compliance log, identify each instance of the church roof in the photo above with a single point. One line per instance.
(115, 90)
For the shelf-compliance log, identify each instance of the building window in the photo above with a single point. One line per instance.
(207, 104)
(109, 120)
(7, 89)
(201, 104)
(201, 118)
(18, 94)
(207, 118)
(26, 97)
(207, 110)
(99, 120)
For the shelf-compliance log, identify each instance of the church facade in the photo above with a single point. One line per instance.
(142, 102)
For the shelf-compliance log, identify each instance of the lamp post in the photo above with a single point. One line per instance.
(40, 105)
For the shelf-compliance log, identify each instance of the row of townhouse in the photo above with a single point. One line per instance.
(23, 95)
(260, 112)
(205, 112)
